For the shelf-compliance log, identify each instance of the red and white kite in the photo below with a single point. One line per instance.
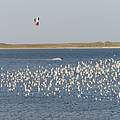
(36, 21)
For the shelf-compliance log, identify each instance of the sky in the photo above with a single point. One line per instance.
(61, 21)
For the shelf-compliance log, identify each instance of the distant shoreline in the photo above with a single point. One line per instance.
(94, 45)
(65, 48)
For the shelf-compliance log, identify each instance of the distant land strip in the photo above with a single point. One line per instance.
(62, 45)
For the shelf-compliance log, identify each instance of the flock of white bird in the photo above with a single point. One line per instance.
(93, 79)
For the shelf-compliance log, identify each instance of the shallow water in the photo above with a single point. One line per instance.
(84, 85)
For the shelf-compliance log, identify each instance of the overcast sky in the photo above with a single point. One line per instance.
(61, 21)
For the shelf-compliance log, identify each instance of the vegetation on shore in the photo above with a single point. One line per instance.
(64, 45)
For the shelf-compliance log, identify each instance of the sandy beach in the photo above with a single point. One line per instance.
(96, 45)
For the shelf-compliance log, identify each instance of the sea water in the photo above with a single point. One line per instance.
(59, 84)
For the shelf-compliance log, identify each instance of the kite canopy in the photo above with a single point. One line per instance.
(36, 21)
